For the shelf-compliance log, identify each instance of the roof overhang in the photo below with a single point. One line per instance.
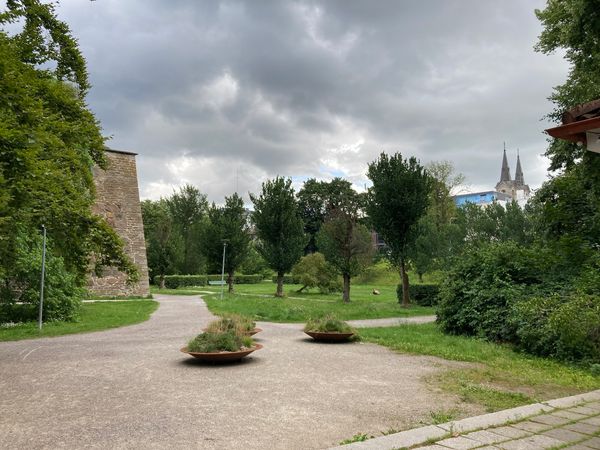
(576, 131)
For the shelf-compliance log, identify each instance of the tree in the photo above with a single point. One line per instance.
(316, 199)
(227, 224)
(49, 142)
(164, 246)
(188, 209)
(279, 227)
(346, 244)
(313, 271)
(395, 203)
(426, 247)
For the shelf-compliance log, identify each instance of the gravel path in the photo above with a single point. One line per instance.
(131, 388)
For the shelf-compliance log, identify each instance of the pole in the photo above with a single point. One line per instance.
(42, 277)
(223, 270)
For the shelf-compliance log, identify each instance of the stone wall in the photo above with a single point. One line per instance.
(118, 201)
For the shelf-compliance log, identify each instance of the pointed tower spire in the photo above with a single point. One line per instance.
(505, 173)
(519, 180)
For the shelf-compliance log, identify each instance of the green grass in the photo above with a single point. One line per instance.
(257, 301)
(94, 317)
(500, 378)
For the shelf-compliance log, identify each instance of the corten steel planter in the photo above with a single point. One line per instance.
(221, 356)
(329, 336)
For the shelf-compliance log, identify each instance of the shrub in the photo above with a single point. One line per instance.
(421, 294)
(476, 297)
(328, 323)
(529, 317)
(213, 342)
(178, 281)
(20, 284)
(313, 271)
(238, 278)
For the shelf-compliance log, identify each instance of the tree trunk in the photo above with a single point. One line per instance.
(420, 277)
(279, 292)
(230, 281)
(162, 281)
(301, 289)
(404, 276)
(346, 292)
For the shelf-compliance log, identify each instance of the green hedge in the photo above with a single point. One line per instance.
(287, 279)
(179, 281)
(421, 294)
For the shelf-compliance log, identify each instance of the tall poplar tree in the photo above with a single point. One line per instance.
(279, 227)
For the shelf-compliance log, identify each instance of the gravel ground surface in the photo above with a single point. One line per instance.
(131, 388)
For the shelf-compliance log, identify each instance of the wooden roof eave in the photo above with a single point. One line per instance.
(575, 131)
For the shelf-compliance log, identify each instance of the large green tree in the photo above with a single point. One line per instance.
(396, 201)
(227, 224)
(279, 227)
(189, 209)
(49, 142)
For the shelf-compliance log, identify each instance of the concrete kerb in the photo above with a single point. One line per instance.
(427, 434)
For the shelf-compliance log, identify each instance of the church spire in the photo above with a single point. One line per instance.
(505, 173)
(519, 180)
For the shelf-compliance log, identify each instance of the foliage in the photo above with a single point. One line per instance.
(227, 224)
(49, 142)
(94, 316)
(312, 271)
(565, 327)
(254, 263)
(164, 245)
(317, 199)
(479, 290)
(359, 437)
(395, 203)
(20, 284)
(346, 244)
(422, 294)
(279, 227)
(188, 208)
(179, 281)
(214, 342)
(287, 279)
(328, 324)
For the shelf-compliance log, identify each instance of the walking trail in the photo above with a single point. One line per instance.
(131, 388)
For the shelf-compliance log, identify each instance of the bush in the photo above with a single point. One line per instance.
(328, 324)
(213, 342)
(476, 297)
(421, 294)
(179, 281)
(313, 271)
(564, 327)
(238, 278)
(20, 283)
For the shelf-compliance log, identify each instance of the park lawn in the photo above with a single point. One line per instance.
(500, 378)
(93, 317)
(258, 302)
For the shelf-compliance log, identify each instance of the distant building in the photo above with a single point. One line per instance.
(506, 190)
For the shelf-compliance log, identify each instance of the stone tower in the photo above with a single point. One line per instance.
(517, 189)
(118, 201)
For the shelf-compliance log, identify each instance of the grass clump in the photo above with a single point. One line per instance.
(328, 324)
(216, 342)
(232, 322)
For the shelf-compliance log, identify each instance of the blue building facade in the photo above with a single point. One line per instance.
(481, 198)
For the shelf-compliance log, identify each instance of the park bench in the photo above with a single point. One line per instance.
(216, 282)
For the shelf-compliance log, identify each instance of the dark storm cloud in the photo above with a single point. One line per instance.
(224, 94)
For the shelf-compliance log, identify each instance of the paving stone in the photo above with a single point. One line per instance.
(535, 442)
(575, 400)
(591, 420)
(485, 437)
(510, 432)
(576, 447)
(569, 414)
(584, 410)
(460, 443)
(592, 443)
(549, 419)
(564, 434)
(534, 427)
(584, 428)
(433, 447)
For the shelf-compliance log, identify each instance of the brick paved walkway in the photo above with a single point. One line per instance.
(570, 423)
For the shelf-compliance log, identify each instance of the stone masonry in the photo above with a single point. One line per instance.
(118, 201)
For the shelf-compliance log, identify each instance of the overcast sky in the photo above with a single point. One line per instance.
(226, 94)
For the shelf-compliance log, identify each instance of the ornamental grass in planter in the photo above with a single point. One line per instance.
(329, 328)
(236, 322)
